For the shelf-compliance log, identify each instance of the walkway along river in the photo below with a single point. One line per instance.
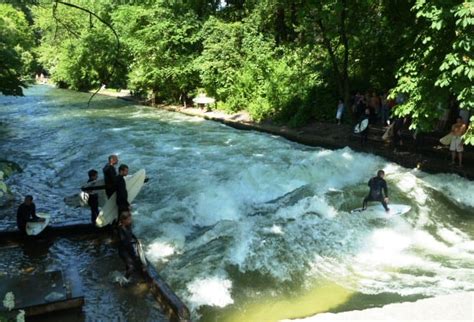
(246, 225)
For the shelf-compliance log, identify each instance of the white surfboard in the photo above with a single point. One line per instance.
(141, 253)
(33, 228)
(361, 126)
(110, 211)
(378, 210)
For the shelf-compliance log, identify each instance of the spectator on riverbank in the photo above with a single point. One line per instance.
(457, 146)
(397, 141)
(26, 212)
(340, 111)
(360, 106)
(384, 111)
(374, 105)
(109, 175)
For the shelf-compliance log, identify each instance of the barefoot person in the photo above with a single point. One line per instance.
(456, 147)
(378, 191)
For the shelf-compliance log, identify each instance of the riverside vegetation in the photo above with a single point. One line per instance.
(288, 61)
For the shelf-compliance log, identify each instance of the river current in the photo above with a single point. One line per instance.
(245, 225)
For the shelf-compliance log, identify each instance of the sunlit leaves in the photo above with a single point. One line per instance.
(16, 42)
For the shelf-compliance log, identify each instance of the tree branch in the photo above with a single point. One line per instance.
(116, 61)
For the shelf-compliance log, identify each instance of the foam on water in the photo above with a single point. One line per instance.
(212, 291)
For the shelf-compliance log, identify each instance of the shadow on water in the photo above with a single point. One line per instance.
(360, 301)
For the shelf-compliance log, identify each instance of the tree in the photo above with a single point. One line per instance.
(163, 42)
(439, 65)
(16, 43)
(79, 47)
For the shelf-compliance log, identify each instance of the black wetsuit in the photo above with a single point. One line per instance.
(127, 249)
(109, 179)
(377, 185)
(24, 214)
(122, 194)
(93, 202)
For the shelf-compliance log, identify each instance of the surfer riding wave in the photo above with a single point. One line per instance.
(378, 191)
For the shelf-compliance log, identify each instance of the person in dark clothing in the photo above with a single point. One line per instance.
(26, 212)
(128, 244)
(397, 132)
(109, 175)
(93, 200)
(121, 190)
(378, 191)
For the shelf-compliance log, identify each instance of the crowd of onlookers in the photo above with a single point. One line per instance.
(377, 109)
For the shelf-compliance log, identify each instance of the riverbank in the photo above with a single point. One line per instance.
(426, 154)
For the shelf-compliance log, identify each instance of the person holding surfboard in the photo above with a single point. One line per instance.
(93, 200)
(121, 190)
(109, 175)
(378, 191)
(26, 212)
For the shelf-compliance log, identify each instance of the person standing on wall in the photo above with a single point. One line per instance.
(93, 200)
(109, 175)
(121, 190)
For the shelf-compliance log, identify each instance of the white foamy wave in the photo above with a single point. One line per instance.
(159, 251)
(458, 189)
(212, 291)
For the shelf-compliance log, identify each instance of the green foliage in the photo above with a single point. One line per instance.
(16, 42)
(246, 70)
(164, 41)
(440, 63)
(78, 50)
(285, 60)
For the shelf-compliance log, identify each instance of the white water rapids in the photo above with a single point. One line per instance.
(233, 216)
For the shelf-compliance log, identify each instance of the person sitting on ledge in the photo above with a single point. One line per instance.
(26, 212)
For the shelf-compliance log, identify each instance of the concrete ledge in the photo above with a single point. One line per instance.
(454, 307)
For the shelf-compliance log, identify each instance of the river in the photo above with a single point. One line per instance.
(246, 226)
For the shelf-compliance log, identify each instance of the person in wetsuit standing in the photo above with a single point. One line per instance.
(121, 190)
(93, 200)
(378, 191)
(26, 212)
(128, 244)
(109, 175)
